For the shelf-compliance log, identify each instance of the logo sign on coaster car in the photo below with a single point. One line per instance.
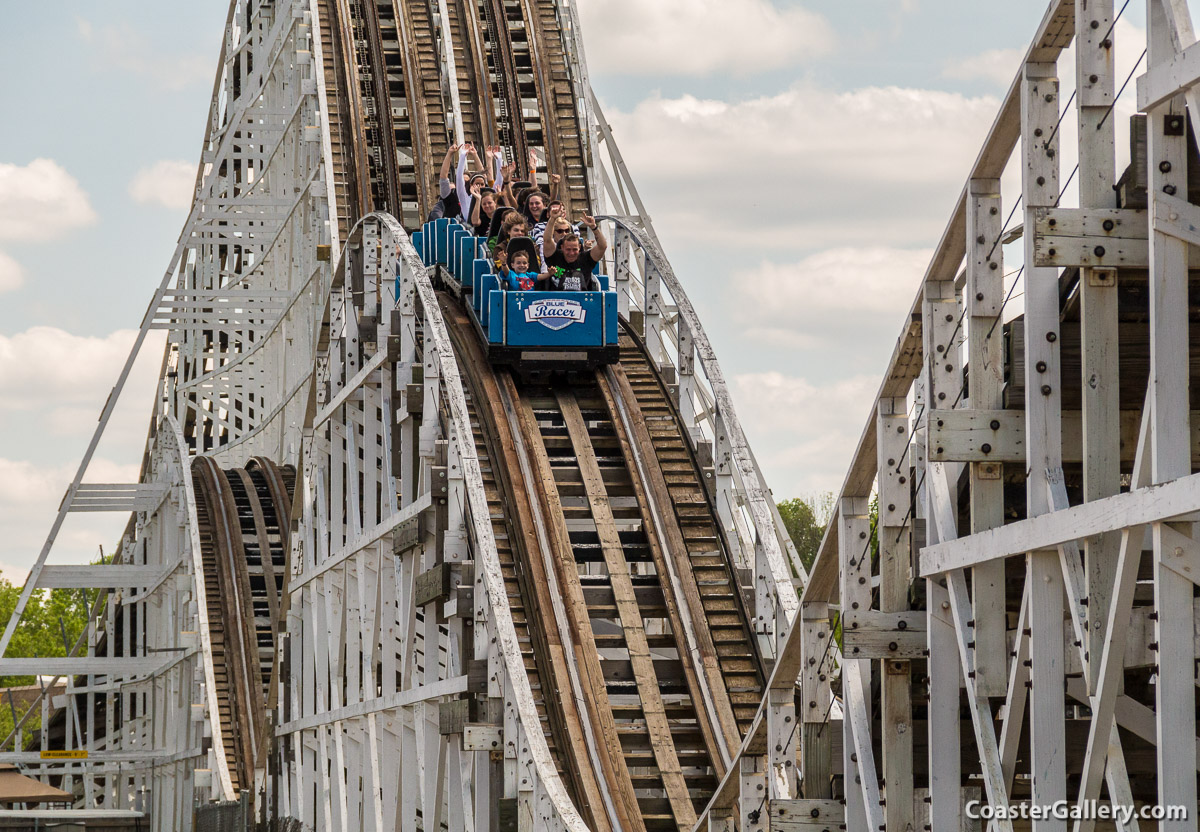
(555, 314)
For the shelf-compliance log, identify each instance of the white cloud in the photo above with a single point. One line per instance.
(807, 303)
(806, 167)
(40, 201)
(700, 37)
(168, 183)
(12, 276)
(30, 494)
(996, 65)
(53, 385)
(124, 47)
(811, 428)
(44, 364)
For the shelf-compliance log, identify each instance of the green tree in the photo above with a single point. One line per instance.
(40, 633)
(805, 519)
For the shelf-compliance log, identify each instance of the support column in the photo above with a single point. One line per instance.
(1175, 693)
(984, 295)
(936, 388)
(816, 746)
(1094, 55)
(1043, 441)
(854, 551)
(895, 577)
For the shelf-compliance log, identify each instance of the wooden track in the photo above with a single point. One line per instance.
(243, 515)
(652, 626)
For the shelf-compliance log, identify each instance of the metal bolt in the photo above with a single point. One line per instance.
(1048, 97)
(1108, 225)
(1052, 252)
(995, 424)
(1037, 131)
(993, 210)
(949, 317)
(1164, 166)
(1041, 180)
(902, 625)
(1095, 25)
(1041, 366)
(1093, 78)
(986, 448)
(993, 265)
(891, 506)
(979, 296)
(1169, 190)
(1051, 337)
(981, 239)
(1045, 389)
(1099, 250)
(1052, 222)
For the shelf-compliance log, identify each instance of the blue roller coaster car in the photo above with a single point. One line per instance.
(531, 331)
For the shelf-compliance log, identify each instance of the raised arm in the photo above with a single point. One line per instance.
(597, 251)
(460, 182)
(475, 157)
(507, 195)
(555, 179)
(498, 164)
(533, 167)
(444, 179)
(549, 246)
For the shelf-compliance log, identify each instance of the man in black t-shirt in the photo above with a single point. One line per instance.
(569, 267)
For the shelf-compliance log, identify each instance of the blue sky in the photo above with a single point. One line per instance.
(799, 161)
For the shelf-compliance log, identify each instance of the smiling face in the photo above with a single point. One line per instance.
(519, 230)
(519, 262)
(488, 204)
(571, 249)
(476, 184)
(536, 205)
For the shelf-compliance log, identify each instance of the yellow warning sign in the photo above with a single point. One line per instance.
(64, 755)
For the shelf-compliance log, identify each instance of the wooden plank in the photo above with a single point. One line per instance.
(806, 815)
(563, 711)
(591, 676)
(1043, 436)
(682, 597)
(1175, 691)
(1156, 503)
(661, 742)
(1102, 222)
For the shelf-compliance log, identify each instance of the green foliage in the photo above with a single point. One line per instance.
(39, 635)
(805, 519)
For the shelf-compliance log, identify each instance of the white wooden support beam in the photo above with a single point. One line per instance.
(752, 794)
(817, 667)
(857, 697)
(854, 550)
(1163, 81)
(1166, 163)
(1043, 442)
(984, 292)
(895, 568)
(782, 741)
(1094, 58)
(1176, 217)
(945, 681)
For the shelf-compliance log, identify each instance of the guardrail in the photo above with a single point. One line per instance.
(652, 298)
